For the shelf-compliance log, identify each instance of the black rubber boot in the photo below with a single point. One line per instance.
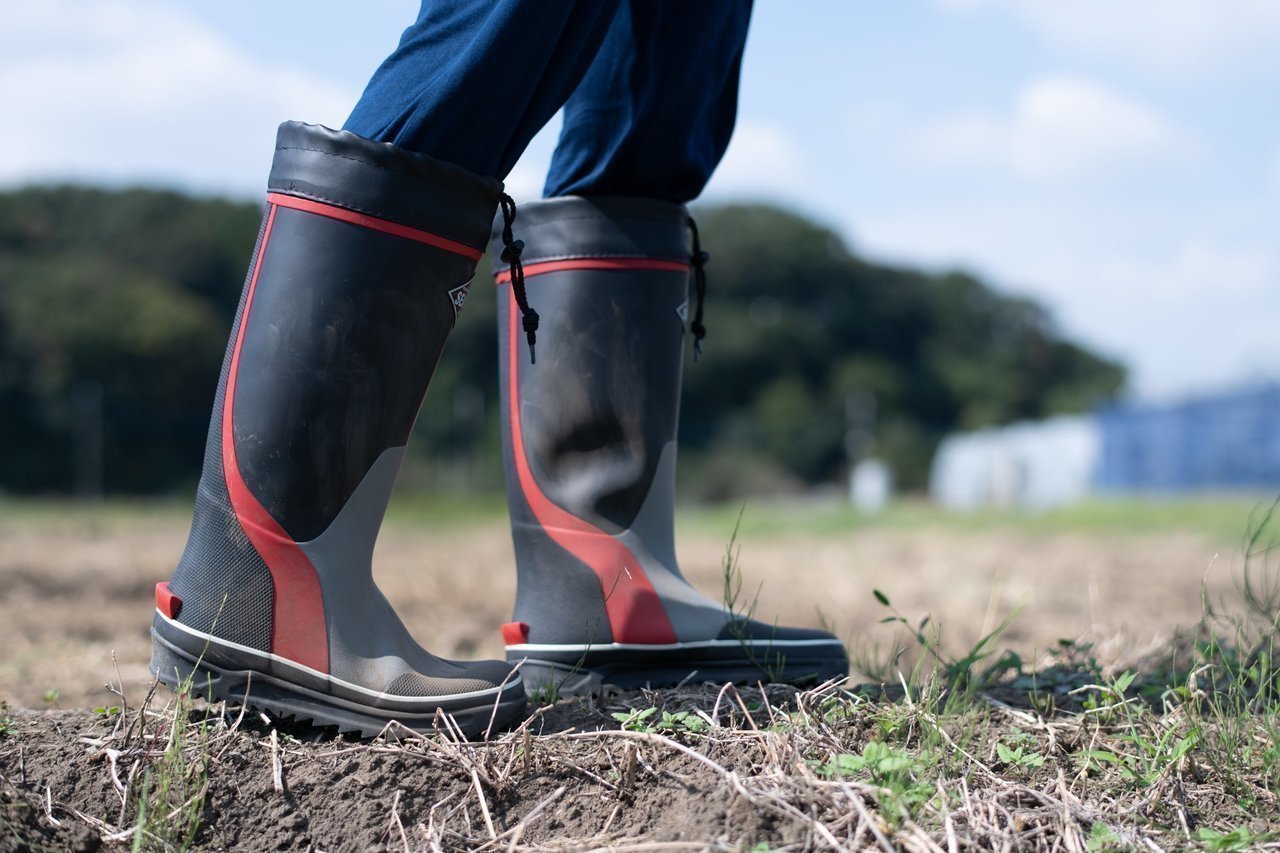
(589, 440)
(363, 261)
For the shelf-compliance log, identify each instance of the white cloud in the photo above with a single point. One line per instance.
(1059, 127)
(1197, 268)
(1183, 36)
(1196, 316)
(763, 160)
(525, 181)
(133, 91)
(1184, 309)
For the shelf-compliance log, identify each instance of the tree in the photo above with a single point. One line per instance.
(127, 297)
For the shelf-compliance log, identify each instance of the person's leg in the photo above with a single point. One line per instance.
(589, 432)
(589, 443)
(653, 115)
(368, 244)
(472, 81)
(351, 292)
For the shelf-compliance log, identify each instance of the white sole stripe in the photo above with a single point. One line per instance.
(346, 685)
(667, 647)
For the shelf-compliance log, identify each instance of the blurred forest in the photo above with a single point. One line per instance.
(115, 308)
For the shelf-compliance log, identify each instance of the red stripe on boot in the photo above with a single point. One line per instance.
(375, 223)
(596, 264)
(635, 611)
(298, 631)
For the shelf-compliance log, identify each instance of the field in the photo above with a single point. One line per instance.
(1106, 713)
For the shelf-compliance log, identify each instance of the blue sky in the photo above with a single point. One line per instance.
(1118, 160)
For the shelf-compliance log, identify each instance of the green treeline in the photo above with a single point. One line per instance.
(115, 307)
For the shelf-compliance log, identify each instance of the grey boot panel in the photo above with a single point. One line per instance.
(368, 644)
(651, 538)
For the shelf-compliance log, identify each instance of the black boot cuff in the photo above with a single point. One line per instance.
(572, 227)
(378, 179)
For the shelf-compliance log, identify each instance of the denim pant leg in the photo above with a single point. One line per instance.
(653, 115)
(472, 81)
(649, 89)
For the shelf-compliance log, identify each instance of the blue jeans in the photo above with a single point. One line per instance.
(649, 90)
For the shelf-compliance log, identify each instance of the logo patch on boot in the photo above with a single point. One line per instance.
(458, 296)
(682, 311)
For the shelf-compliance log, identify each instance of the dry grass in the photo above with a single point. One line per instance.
(710, 768)
(78, 584)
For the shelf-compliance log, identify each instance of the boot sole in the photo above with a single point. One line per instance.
(565, 670)
(215, 670)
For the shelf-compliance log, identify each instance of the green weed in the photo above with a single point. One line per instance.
(899, 774)
(1102, 838)
(1240, 838)
(168, 803)
(636, 720)
(772, 664)
(957, 674)
(647, 720)
(1018, 756)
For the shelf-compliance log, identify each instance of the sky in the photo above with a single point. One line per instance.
(1116, 160)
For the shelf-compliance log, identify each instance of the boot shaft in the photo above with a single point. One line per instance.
(355, 282)
(609, 278)
(589, 431)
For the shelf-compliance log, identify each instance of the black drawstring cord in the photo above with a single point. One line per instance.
(511, 249)
(699, 260)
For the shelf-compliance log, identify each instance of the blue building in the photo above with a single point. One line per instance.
(1223, 442)
(1228, 441)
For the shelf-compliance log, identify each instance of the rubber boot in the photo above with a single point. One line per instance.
(589, 440)
(364, 258)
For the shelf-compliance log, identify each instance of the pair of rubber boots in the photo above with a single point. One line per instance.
(362, 263)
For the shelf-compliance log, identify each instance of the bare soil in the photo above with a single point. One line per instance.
(341, 795)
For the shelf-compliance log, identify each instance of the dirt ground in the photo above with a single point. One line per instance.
(76, 588)
(77, 596)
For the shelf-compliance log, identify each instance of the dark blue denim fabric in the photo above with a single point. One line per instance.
(649, 87)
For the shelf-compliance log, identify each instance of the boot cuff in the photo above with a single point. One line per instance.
(598, 227)
(378, 179)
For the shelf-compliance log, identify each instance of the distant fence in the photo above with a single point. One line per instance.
(1226, 442)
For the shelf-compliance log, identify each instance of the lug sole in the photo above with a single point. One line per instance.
(215, 676)
(593, 672)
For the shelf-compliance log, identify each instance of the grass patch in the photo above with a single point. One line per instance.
(1218, 518)
(167, 802)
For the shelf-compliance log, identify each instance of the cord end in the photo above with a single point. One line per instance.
(530, 322)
